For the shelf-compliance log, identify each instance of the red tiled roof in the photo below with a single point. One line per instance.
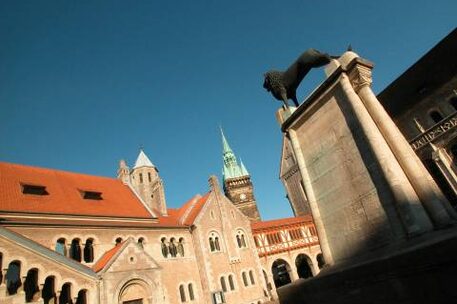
(189, 211)
(281, 222)
(64, 193)
(106, 257)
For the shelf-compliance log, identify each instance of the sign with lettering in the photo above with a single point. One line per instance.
(434, 133)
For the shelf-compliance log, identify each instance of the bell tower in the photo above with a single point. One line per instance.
(145, 180)
(237, 183)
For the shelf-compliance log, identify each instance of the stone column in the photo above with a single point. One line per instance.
(58, 292)
(424, 185)
(442, 162)
(315, 267)
(323, 240)
(3, 283)
(412, 215)
(293, 272)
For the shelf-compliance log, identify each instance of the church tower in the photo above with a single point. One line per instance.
(145, 180)
(237, 183)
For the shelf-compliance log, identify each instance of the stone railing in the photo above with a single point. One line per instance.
(434, 132)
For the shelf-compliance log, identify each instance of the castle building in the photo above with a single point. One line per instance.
(237, 183)
(74, 238)
(423, 103)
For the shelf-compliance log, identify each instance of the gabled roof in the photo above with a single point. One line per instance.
(190, 210)
(64, 197)
(108, 256)
(65, 191)
(281, 222)
(143, 160)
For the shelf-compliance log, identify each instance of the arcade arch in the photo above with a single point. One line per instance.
(304, 266)
(281, 272)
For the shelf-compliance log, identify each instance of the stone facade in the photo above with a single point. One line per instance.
(366, 187)
(423, 104)
(68, 237)
(380, 216)
(289, 173)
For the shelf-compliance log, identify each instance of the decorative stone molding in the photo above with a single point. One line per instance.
(360, 75)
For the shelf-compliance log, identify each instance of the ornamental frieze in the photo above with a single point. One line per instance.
(434, 133)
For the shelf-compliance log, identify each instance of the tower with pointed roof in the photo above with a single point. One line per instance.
(145, 180)
(237, 183)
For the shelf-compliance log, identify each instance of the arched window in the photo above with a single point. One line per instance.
(164, 247)
(61, 246)
(118, 240)
(453, 102)
(231, 283)
(191, 292)
(141, 242)
(436, 116)
(251, 277)
(181, 247)
(13, 279)
(31, 288)
(211, 244)
(65, 294)
(49, 293)
(216, 243)
(240, 239)
(223, 284)
(182, 293)
(304, 266)
(75, 250)
(141, 178)
(82, 297)
(245, 279)
(172, 248)
(149, 177)
(89, 251)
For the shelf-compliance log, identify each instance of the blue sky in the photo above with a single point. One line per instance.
(86, 83)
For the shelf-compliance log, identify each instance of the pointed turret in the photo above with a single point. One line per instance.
(147, 183)
(243, 168)
(231, 169)
(237, 182)
(123, 173)
(143, 160)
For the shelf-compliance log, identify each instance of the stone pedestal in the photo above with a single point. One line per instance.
(367, 189)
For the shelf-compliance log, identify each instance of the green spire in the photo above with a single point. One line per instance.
(231, 169)
(225, 145)
(243, 168)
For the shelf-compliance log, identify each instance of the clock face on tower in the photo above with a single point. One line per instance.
(242, 196)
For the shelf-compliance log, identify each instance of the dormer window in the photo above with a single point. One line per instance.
(91, 195)
(34, 189)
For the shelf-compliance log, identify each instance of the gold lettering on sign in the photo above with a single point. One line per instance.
(432, 134)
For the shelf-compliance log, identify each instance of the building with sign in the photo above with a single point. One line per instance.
(423, 103)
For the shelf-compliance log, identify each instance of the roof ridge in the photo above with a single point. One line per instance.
(101, 265)
(193, 202)
(56, 170)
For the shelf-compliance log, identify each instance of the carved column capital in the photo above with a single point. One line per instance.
(360, 75)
